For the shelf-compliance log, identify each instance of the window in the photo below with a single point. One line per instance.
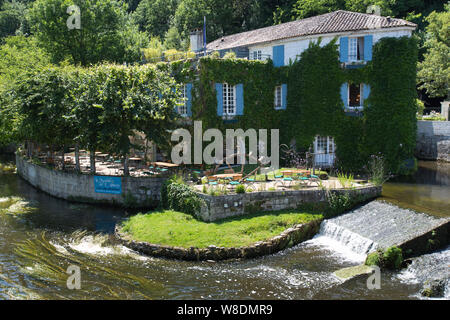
(354, 95)
(256, 55)
(229, 99)
(182, 108)
(278, 97)
(356, 49)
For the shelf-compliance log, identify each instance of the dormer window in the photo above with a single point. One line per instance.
(356, 49)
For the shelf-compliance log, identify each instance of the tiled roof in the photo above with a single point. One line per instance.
(337, 21)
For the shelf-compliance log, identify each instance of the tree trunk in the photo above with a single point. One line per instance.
(29, 149)
(126, 171)
(63, 163)
(77, 158)
(92, 157)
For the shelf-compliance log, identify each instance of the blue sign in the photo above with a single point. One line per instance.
(108, 184)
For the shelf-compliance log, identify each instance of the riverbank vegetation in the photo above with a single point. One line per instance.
(390, 258)
(174, 228)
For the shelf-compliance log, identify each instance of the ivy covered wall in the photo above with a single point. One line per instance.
(314, 104)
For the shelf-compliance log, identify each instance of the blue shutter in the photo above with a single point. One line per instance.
(283, 96)
(240, 99)
(219, 92)
(344, 94)
(368, 48)
(278, 56)
(189, 99)
(343, 47)
(366, 92)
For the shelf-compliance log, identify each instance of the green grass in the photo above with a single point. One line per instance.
(182, 230)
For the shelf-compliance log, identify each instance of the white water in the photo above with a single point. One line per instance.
(350, 244)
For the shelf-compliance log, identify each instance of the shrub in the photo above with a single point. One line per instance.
(181, 197)
(345, 180)
(374, 258)
(240, 189)
(230, 55)
(163, 192)
(337, 203)
(391, 258)
(376, 170)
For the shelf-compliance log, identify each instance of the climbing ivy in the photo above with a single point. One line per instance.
(390, 118)
(314, 104)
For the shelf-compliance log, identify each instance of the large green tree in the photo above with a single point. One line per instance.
(105, 32)
(155, 16)
(222, 17)
(434, 71)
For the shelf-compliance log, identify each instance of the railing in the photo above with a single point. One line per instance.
(324, 160)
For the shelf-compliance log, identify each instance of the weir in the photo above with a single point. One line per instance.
(379, 224)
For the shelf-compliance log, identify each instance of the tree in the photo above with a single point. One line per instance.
(104, 34)
(43, 102)
(155, 16)
(434, 72)
(222, 17)
(172, 39)
(12, 15)
(134, 98)
(20, 57)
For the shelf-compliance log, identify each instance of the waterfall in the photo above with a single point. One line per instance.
(351, 244)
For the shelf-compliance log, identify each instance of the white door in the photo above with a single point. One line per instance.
(324, 151)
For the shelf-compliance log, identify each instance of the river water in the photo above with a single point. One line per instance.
(41, 239)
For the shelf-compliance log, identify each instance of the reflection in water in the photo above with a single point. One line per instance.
(37, 248)
(428, 190)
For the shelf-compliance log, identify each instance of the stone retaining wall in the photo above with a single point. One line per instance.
(231, 205)
(433, 140)
(142, 191)
(286, 239)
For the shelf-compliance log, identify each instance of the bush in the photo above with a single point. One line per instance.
(374, 259)
(181, 197)
(391, 258)
(240, 189)
(337, 203)
(377, 170)
(163, 193)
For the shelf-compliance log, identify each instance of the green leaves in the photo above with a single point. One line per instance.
(434, 72)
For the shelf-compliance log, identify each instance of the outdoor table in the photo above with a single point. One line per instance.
(227, 175)
(294, 171)
(102, 156)
(165, 164)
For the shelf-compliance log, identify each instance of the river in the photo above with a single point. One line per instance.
(39, 243)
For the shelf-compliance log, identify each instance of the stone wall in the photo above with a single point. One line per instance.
(142, 191)
(286, 239)
(220, 207)
(433, 140)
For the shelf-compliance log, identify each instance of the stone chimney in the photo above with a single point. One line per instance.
(196, 40)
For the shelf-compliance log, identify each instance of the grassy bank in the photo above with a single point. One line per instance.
(178, 229)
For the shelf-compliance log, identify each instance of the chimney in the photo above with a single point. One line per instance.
(196, 40)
